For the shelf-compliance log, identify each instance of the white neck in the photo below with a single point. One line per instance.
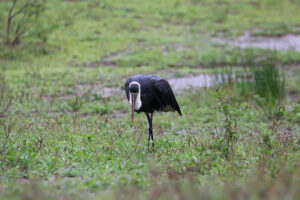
(138, 102)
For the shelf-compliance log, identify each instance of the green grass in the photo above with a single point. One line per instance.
(61, 138)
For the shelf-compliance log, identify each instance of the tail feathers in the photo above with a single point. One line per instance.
(177, 108)
(179, 111)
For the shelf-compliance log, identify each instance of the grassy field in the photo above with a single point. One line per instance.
(62, 138)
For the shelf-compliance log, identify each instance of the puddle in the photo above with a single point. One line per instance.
(179, 84)
(286, 42)
(198, 81)
(182, 83)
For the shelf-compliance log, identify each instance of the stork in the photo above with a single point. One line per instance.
(147, 93)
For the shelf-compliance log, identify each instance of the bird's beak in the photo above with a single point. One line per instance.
(133, 100)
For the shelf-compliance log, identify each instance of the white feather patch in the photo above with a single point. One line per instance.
(138, 102)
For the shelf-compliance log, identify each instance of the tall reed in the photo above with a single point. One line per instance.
(264, 79)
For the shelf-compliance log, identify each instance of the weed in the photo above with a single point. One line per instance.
(76, 103)
(231, 118)
(276, 118)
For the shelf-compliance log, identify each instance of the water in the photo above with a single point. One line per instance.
(286, 42)
(198, 81)
(178, 84)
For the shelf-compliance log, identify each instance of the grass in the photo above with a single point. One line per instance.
(98, 152)
(61, 137)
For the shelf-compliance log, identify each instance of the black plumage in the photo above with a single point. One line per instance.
(155, 95)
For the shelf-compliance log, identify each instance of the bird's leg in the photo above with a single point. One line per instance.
(149, 121)
(150, 128)
(148, 137)
(151, 131)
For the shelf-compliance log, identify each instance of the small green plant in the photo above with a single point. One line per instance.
(76, 103)
(277, 117)
(231, 118)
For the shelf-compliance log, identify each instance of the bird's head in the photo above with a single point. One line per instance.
(134, 91)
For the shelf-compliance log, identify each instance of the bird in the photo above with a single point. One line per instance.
(149, 94)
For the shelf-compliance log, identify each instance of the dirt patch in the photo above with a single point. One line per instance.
(175, 46)
(111, 59)
(81, 90)
(2, 115)
(98, 89)
(118, 114)
(107, 60)
(285, 42)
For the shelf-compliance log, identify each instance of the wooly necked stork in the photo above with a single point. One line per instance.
(147, 93)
